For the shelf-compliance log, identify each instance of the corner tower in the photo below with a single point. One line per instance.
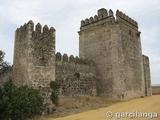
(115, 47)
(147, 77)
(34, 58)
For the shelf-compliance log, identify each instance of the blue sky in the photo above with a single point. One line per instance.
(65, 16)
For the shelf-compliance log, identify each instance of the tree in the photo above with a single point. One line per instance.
(1, 56)
(19, 103)
(4, 66)
(1, 59)
(6, 94)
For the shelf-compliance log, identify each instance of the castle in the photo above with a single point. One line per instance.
(110, 62)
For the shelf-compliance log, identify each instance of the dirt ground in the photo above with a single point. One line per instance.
(142, 108)
(148, 105)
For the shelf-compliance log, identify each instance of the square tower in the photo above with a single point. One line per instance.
(115, 47)
(34, 58)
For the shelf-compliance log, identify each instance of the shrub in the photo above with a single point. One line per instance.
(4, 66)
(6, 92)
(19, 103)
(55, 92)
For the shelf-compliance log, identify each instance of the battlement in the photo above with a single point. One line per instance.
(121, 16)
(103, 14)
(72, 59)
(75, 76)
(30, 27)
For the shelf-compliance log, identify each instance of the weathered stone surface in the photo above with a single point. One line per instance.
(76, 78)
(156, 90)
(71, 58)
(102, 13)
(147, 77)
(65, 58)
(116, 50)
(58, 56)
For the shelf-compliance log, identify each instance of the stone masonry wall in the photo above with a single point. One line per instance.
(76, 77)
(20, 74)
(156, 90)
(95, 33)
(34, 58)
(129, 51)
(147, 77)
(114, 45)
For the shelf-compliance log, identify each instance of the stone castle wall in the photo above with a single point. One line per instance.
(95, 33)
(114, 45)
(156, 90)
(147, 77)
(110, 65)
(75, 76)
(34, 58)
(22, 37)
(130, 52)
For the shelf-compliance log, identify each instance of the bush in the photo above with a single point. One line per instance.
(19, 103)
(55, 92)
(6, 94)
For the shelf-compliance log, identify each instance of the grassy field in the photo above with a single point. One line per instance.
(147, 104)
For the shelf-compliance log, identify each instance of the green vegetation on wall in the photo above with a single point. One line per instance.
(19, 103)
(55, 92)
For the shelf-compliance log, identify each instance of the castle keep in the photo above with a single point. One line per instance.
(114, 45)
(110, 62)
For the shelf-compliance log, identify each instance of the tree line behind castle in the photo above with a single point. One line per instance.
(110, 62)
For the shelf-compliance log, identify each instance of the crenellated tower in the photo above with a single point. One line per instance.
(34, 58)
(113, 43)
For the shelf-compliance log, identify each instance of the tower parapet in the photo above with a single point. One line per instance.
(101, 15)
(108, 15)
(122, 17)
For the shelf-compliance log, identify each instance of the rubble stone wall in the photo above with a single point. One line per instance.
(34, 58)
(75, 76)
